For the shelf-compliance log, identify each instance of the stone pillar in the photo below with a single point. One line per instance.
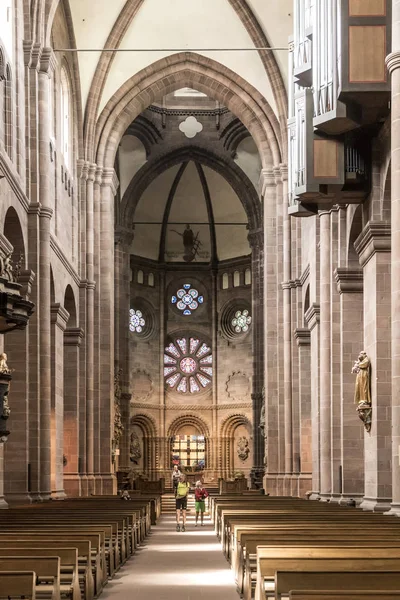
(108, 191)
(123, 241)
(47, 62)
(350, 287)
(256, 239)
(72, 476)
(89, 330)
(165, 455)
(325, 354)
(373, 248)
(59, 320)
(393, 63)
(268, 185)
(97, 330)
(303, 339)
(214, 417)
(335, 368)
(312, 318)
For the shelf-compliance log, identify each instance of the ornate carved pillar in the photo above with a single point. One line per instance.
(268, 183)
(312, 318)
(393, 64)
(303, 340)
(108, 191)
(59, 320)
(325, 355)
(350, 287)
(73, 464)
(256, 240)
(373, 248)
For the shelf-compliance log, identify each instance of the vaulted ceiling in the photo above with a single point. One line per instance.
(180, 24)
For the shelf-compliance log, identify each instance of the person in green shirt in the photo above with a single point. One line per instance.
(182, 492)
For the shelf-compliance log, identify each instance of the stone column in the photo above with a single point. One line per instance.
(268, 185)
(350, 287)
(97, 330)
(256, 239)
(335, 367)
(90, 324)
(214, 447)
(393, 63)
(59, 320)
(312, 318)
(46, 64)
(325, 354)
(123, 241)
(373, 248)
(108, 191)
(72, 476)
(165, 456)
(303, 339)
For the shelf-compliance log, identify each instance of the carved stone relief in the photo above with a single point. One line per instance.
(238, 386)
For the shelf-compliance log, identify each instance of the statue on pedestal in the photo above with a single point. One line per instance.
(362, 393)
(5, 378)
(3, 363)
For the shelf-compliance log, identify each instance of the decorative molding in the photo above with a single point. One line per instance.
(256, 239)
(312, 316)
(231, 406)
(393, 61)
(375, 237)
(110, 179)
(64, 260)
(59, 316)
(305, 275)
(349, 280)
(302, 336)
(212, 112)
(123, 235)
(73, 336)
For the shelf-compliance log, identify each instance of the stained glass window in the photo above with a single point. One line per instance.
(187, 299)
(136, 321)
(187, 365)
(241, 321)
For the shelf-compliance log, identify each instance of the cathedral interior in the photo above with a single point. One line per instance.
(198, 207)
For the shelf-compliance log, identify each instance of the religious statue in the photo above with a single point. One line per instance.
(191, 243)
(118, 426)
(261, 425)
(243, 449)
(3, 363)
(6, 269)
(362, 393)
(134, 449)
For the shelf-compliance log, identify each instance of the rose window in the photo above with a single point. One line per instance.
(187, 299)
(241, 321)
(136, 321)
(188, 365)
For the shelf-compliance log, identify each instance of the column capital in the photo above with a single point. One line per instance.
(110, 179)
(73, 336)
(91, 171)
(266, 180)
(349, 280)
(48, 61)
(123, 235)
(312, 316)
(256, 239)
(26, 279)
(392, 61)
(375, 237)
(46, 212)
(302, 336)
(83, 169)
(284, 171)
(59, 316)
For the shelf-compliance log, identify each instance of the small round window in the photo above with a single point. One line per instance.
(187, 299)
(137, 321)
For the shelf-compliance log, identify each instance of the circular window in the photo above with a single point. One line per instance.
(187, 299)
(188, 365)
(241, 321)
(136, 321)
(236, 319)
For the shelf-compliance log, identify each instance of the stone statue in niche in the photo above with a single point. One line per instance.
(243, 449)
(3, 363)
(118, 426)
(134, 449)
(362, 393)
(261, 425)
(6, 269)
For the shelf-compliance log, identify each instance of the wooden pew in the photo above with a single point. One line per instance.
(372, 581)
(17, 583)
(310, 558)
(47, 569)
(69, 576)
(99, 570)
(338, 595)
(53, 548)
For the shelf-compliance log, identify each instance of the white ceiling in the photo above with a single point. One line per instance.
(178, 24)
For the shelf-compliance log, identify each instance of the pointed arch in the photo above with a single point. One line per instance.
(186, 69)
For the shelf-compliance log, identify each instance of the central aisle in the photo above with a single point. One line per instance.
(175, 566)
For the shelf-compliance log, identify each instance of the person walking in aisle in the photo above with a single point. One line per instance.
(176, 473)
(200, 494)
(182, 492)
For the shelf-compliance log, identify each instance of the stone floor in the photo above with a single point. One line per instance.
(175, 566)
